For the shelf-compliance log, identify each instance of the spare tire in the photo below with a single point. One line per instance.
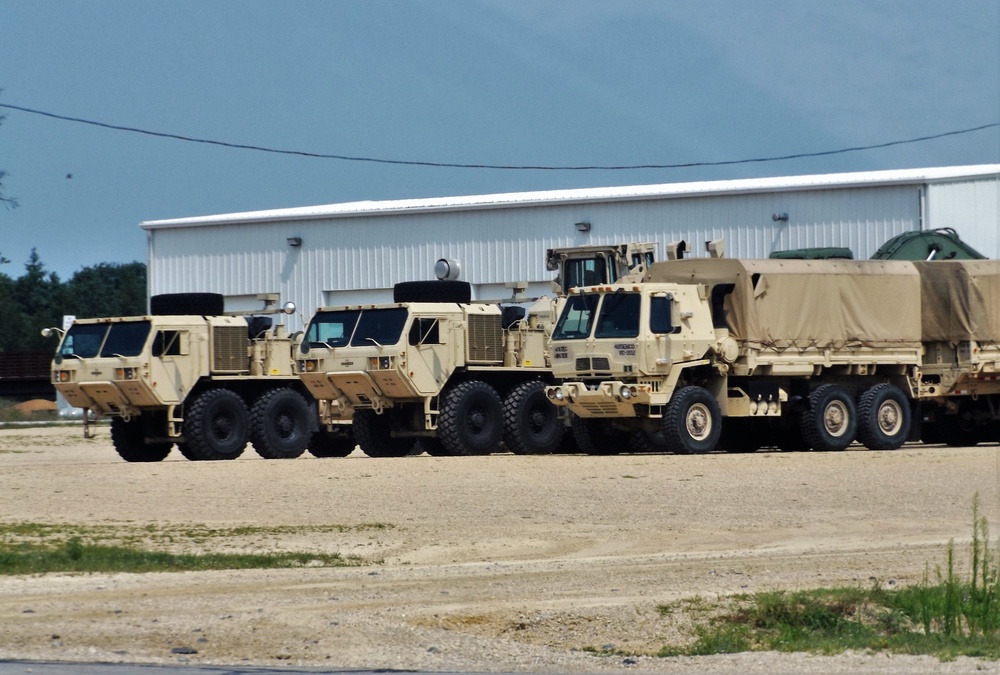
(179, 304)
(443, 290)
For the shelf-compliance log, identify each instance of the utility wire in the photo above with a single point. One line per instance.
(507, 167)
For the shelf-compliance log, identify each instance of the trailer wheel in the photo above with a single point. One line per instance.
(471, 419)
(531, 424)
(831, 422)
(692, 422)
(280, 424)
(129, 439)
(216, 425)
(883, 417)
(339, 443)
(594, 436)
(373, 433)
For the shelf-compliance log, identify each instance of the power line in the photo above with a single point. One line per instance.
(506, 167)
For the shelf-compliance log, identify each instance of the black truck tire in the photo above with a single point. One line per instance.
(831, 421)
(374, 438)
(280, 424)
(594, 437)
(442, 290)
(216, 426)
(181, 304)
(129, 439)
(339, 443)
(643, 441)
(692, 422)
(471, 419)
(883, 417)
(531, 423)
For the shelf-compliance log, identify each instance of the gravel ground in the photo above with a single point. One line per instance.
(482, 564)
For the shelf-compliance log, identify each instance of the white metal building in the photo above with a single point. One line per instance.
(353, 253)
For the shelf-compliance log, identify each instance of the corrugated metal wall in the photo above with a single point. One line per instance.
(357, 259)
(971, 208)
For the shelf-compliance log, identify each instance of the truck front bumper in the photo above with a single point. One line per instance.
(607, 399)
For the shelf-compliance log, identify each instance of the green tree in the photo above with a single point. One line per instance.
(107, 289)
(39, 294)
(39, 299)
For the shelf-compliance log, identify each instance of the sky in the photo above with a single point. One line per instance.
(502, 82)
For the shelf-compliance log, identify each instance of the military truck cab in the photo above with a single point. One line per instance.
(452, 375)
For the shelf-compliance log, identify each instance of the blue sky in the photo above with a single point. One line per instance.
(460, 81)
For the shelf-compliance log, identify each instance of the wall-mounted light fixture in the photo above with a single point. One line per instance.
(295, 242)
(583, 226)
(779, 217)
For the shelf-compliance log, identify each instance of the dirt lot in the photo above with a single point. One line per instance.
(498, 563)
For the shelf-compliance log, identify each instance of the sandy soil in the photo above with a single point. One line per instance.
(498, 563)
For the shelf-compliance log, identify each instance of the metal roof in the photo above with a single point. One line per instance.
(583, 195)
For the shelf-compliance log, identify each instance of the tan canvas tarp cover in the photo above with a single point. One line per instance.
(961, 300)
(820, 304)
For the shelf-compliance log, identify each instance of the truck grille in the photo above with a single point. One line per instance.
(597, 364)
(485, 338)
(230, 349)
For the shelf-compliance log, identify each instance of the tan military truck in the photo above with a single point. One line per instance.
(800, 354)
(461, 377)
(189, 375)
(456, 376)
(795, 354)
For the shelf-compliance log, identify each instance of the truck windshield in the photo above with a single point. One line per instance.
(619, 316)
(332, 329)
(575, 320)
(125, 339)
(380, 327)
(118, 339)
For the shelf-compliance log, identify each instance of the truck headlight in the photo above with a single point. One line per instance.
(555, 393)
(124, 373)
(308, 366)
(379, 362)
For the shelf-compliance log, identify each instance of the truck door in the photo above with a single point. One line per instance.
(174, 366)
(431, 359)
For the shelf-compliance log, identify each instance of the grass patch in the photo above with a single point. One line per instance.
(946, 615)
(39, 548)
(75, 556)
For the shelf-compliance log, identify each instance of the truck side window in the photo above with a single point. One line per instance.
(719, 293)
(661, 318)
(574, 322)
(425, 332)
(585, 272)
(167, 343)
